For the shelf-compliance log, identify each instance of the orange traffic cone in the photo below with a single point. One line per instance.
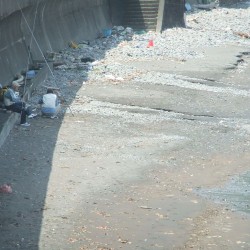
(150, 43)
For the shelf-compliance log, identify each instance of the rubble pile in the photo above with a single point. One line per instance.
(103, 59)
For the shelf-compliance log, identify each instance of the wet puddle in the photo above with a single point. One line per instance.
(235, 194)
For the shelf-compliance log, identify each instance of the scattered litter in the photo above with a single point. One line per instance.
(20, 80)
(6, 189)
(107, 32)
(113, 78)
(73, 45)
(188, 7)
(102, 227)
(50, 56)
(242, 34)
(145, 207)
(150, 43)
(161, 216)
(30, 74)
(124, 241)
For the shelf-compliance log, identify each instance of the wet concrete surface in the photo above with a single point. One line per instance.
(235, 194)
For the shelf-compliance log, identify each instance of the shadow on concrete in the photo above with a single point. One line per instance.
(26, 157)
(26, 162)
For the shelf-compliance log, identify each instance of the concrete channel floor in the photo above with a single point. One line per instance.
(125, 172)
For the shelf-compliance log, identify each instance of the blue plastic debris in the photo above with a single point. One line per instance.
(107, 32)
(30, 74)
(188, 7)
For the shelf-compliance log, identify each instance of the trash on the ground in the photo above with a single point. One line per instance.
(146, 207)
(95, 63)
(50, 87)
(50, 56)
(150, 43)
(113, 78)
(30, 74)
(118, 28)
(188, 7)
(56, 64)
(84, 42)
(106, 32)
(73, 45)
(2, 91)
(6, 189)
(124, 241)
(87, 59)
(19, 80)
(242, 34)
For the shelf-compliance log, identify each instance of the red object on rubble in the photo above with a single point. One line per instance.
(6, 189)
(150, 43)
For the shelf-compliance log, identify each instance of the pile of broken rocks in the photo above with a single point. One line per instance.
(103, 58)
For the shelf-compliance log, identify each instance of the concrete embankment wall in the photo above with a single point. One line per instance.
(54, 22)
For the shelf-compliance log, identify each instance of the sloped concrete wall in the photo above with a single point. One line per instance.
(55, 24)
(8, 7)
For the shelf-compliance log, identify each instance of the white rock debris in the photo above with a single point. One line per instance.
(100, 60)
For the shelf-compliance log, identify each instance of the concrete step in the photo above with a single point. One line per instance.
(139, 27)
(153, 10)
(140, 19)
(141, 23)
(141, 2)
(142, 7)
(141, 14)
(148, 11)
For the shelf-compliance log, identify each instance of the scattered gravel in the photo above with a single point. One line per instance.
(100, 60)
(173, 80)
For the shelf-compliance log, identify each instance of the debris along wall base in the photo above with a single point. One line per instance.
(53, 23)
(31, 28)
